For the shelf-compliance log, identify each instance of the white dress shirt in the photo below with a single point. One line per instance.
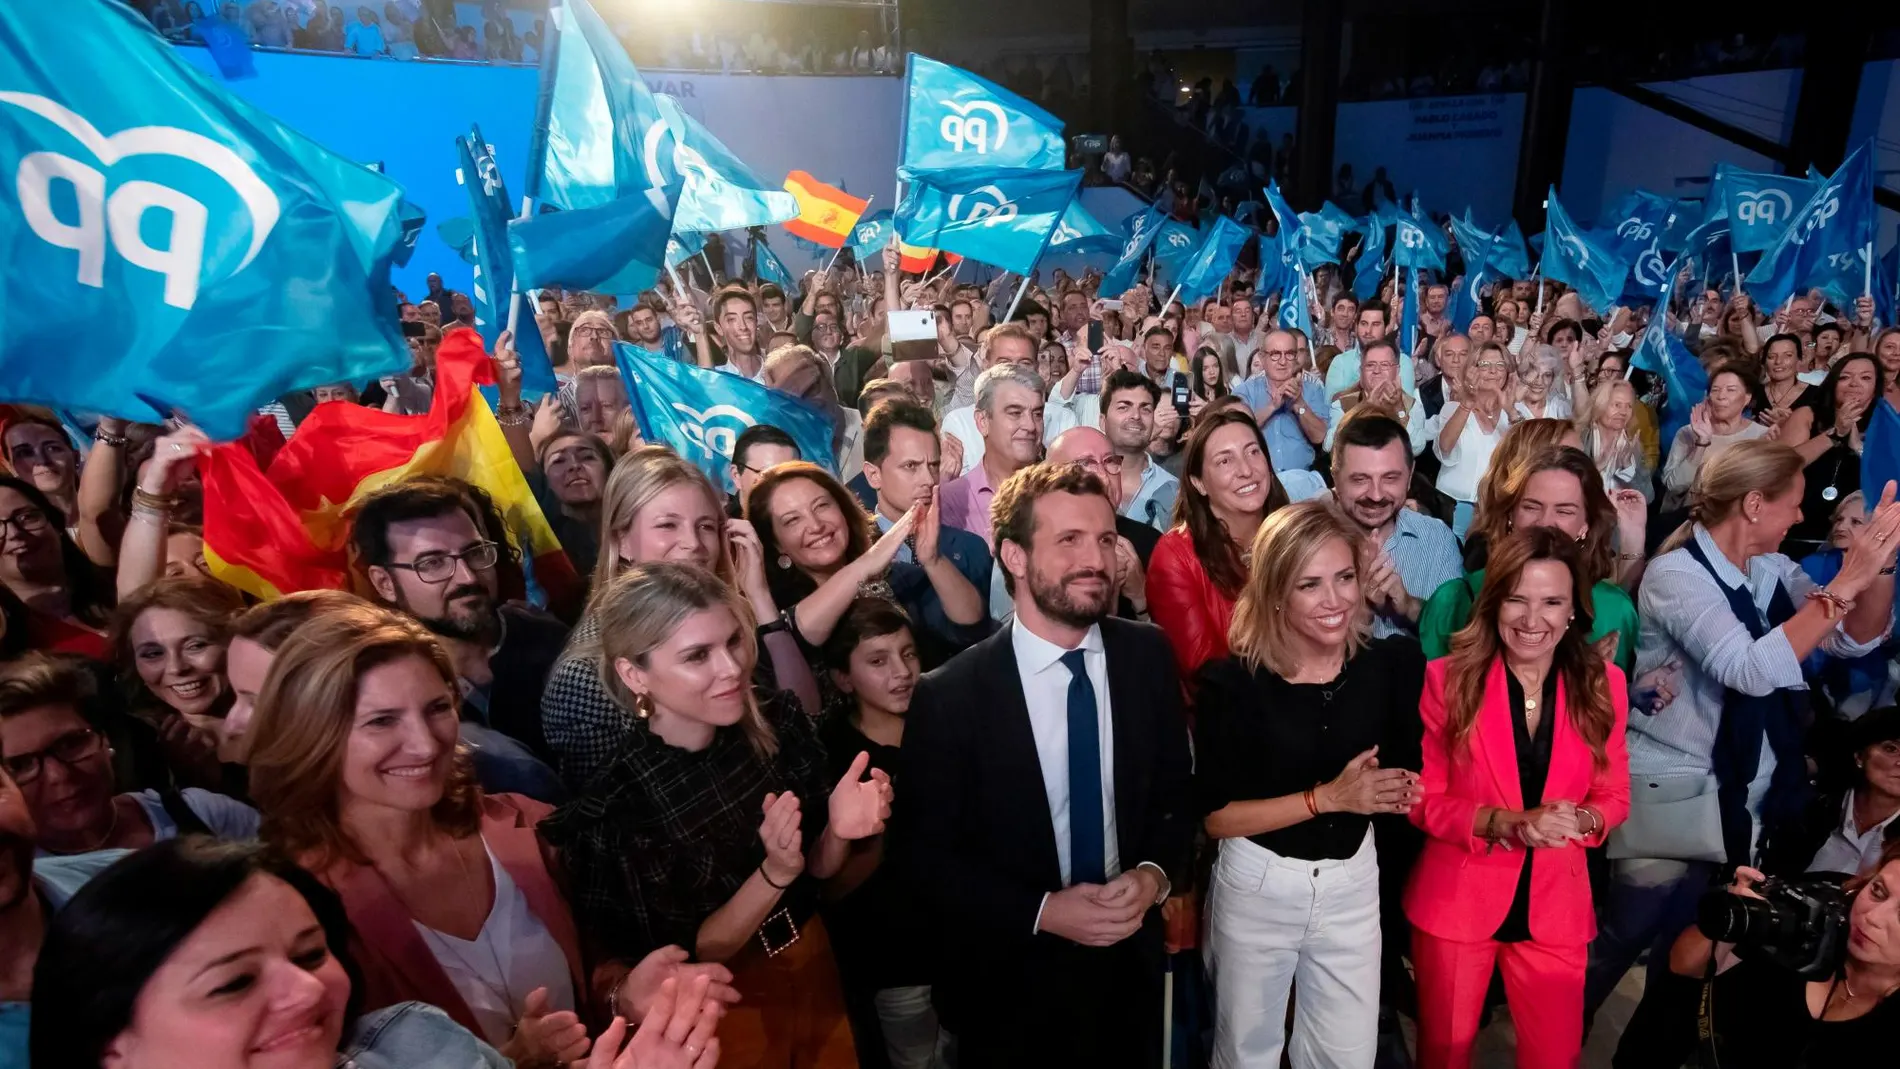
(1046, 693)
(1849, 849)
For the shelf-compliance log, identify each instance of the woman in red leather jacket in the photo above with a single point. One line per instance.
(1200, 565)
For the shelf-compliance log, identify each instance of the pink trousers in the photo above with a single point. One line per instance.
(1542, 983)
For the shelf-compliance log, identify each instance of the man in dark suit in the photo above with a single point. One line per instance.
(1046, 811)
(950, 582)
(1092, 449)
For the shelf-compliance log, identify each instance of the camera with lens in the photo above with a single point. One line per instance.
(1799, 924)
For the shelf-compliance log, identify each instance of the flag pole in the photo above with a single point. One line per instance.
(1164, 304)
(1735, 262)
(1018, 299)
(1867, 284)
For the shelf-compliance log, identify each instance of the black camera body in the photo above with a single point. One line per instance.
(1799, 924)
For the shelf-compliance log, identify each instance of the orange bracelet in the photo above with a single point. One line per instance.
(1312, 803)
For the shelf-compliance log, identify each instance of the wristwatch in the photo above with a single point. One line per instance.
(1299, 409)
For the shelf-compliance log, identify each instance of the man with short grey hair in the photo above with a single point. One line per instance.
(1005, 343)
(1009, 424)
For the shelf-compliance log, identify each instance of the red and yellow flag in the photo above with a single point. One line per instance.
(916, 259)
(283, 528)
(826, 214)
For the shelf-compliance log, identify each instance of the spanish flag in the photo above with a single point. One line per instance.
(826, 214)
(274, 530)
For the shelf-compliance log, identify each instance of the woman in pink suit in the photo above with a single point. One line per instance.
(1524, 765)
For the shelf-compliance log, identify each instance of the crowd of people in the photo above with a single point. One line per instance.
(726, 36)
(1343, 676)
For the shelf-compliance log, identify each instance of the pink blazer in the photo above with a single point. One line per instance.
(397, 965)
(1458, 889)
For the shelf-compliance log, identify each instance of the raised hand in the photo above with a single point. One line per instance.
(172, 457)
(883, 551)
(1365, 788)
(546, 1035)
(951, 454)
(860, 805)
(507, 369)
(784, 846)
(928, 528)
(1129, 575)
(1702, 423)
(1871, 548)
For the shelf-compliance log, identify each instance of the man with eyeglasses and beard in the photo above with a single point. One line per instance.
(431, 546)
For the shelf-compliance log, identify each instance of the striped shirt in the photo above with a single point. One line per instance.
(1425, 554)
(1686, 616)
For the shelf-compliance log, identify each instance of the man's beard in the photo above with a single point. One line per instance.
(1058, 604)
(474, 622)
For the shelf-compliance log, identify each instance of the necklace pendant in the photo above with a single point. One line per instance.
(1530, 705)
(1829, 493)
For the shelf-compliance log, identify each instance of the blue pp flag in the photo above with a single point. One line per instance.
(1475, 245)
(1209, 266)
(458, 234)
(1141, 230)
(995, 216)
(1887, 287)
(1408, 319)
(1826, 243)
(1760, 205)
(1280, 255)
(1880, 452)
(1580, 261)
(1684, 379)
(494, 269)
(872, 235)
(953, 118)
(1636, 223)
(767, 267)
(1322, 232)
(1418, 243)
(1175, 243)
(700, 412)
(409, 222)
(211, 258)
(1371, 265)
(1296, 309)
(228, 48)
(1508, 255)
(683, 247)
(603, 155)
(1080, 231)
(718, 191)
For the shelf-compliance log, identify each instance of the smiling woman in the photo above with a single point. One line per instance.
(170, 637)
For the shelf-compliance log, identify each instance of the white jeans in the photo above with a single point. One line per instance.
(1275, 923)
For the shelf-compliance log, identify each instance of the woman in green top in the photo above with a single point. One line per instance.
(1559, 487)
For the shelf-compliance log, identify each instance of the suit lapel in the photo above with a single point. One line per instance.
(1015, 751)
(1497, 734)
(1566, 747)
(1124, 692)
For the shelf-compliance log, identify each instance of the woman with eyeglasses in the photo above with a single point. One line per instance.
(53, 739)
(66, 597)
(1468, 431)
(34, 447)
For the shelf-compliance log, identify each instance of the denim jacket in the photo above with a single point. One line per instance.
(415, 1035)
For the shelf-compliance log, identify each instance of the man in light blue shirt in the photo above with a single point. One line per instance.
(1343, 373)
(1289, 406)
(1372, 476)
(645, 332)
(1128, 419)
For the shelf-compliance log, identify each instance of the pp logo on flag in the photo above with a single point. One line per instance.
(1179, 240)
(1764, 206)
(1064, 234)
(1635, 229)
(997, 209)
(962, 129)
(111, 216)
(1411, 237)
(698, 428)
(1582, 250)
(1817, 220)
(1649, 268)
(867, 233)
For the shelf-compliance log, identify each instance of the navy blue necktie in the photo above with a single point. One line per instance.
(1088, 859)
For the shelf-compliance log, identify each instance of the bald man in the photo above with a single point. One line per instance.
(1092, 449)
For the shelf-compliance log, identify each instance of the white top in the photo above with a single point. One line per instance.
(1061, 413)
(1556, 406)
(1416, 426)
(1470, 455)
(1685, 459)
(1849, 849)
(228, 818)
(1045, 682)
(962, 423)
(513, 955)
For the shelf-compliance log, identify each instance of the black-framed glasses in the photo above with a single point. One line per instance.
(440, 567)
(26, 521)
(594, 332)
(69, 749)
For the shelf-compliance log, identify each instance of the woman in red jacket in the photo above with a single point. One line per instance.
(1199, 567)
(1524, 764)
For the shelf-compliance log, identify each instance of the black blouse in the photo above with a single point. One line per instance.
(1258, 736)
(1533, 768)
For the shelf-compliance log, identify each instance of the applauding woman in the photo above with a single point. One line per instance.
(1304, 733)
(1718, 422)
(1469, 431)
(1828, 435)
(703, 826)
(1524, 764)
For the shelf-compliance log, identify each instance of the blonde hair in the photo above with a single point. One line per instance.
(302, 727)
(1756, 466)
(638, 478)
(1286, 540)
(642, 608)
